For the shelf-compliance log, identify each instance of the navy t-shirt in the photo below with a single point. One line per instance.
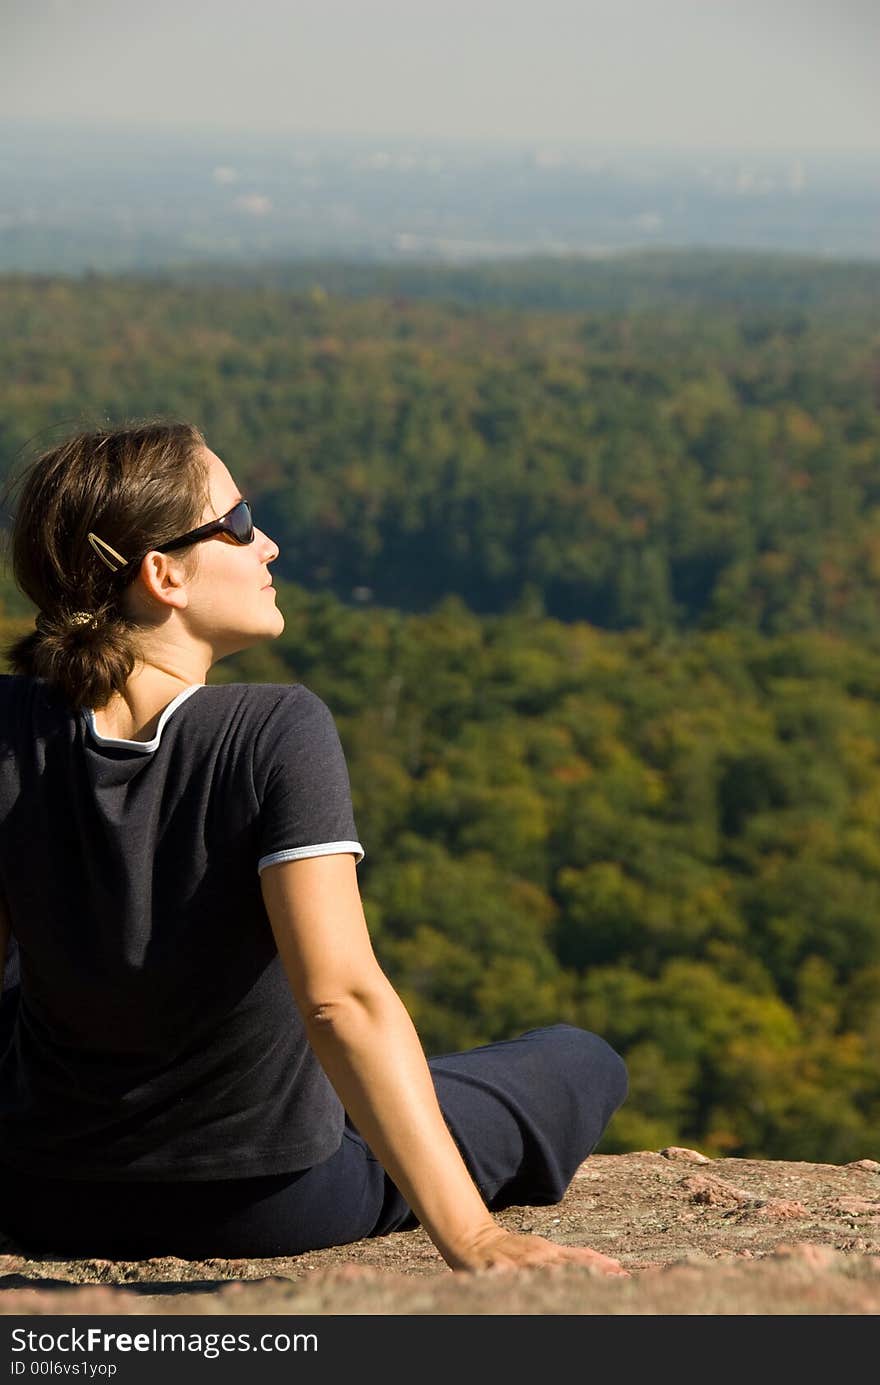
(157, 1037)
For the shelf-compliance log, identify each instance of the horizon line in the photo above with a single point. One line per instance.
(117, 128)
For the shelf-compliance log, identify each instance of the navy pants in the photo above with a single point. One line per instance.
(524, 1112)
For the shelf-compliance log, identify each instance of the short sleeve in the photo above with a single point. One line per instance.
(302, 784)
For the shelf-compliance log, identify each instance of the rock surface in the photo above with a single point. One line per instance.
(732, 1236)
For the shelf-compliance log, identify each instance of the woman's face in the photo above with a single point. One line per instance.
(230, 605)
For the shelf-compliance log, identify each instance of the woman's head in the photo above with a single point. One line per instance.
(133, 490)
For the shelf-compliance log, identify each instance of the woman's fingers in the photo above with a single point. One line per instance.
(511, 1252)
(596, 1259)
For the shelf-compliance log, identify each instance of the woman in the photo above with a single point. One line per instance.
(204, 1056)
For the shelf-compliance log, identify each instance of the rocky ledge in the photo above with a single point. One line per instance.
(697, 1235)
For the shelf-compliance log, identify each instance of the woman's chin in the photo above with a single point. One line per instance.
(278, 623)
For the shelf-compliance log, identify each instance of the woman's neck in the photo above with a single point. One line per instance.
(134, 715)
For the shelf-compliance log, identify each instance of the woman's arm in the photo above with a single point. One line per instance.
(367, 1045)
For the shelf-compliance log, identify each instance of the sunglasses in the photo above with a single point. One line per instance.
(237, 523)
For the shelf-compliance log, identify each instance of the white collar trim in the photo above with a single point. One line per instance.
(146, 746)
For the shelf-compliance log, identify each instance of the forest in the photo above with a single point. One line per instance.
(662, 468)
(589, 578)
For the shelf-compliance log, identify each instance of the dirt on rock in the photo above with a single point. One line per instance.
(697, 1235)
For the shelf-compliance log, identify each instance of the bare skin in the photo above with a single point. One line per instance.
(186, 626)
(354, 1018)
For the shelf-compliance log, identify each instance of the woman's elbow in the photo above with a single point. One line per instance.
(337, 1009)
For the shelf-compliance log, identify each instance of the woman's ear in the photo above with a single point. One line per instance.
(161, 581)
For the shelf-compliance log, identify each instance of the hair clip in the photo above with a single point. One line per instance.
(114, 567)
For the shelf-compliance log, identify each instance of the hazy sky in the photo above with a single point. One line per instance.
(736, 73)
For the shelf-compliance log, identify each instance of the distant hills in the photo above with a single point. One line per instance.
(77, 199)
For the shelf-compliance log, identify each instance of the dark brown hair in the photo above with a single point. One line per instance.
(136, 487)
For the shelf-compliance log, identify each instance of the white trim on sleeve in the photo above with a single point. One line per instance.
(299, 853)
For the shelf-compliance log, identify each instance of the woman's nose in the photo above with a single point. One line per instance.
(272, 544)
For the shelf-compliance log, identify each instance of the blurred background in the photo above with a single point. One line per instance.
(544, 340)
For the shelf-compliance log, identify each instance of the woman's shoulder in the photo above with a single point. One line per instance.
(14, 684)
(21, 690)
(268, 704)
(289, 713)
(30, 708)
(258, 695)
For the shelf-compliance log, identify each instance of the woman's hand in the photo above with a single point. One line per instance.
(496, 1249)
